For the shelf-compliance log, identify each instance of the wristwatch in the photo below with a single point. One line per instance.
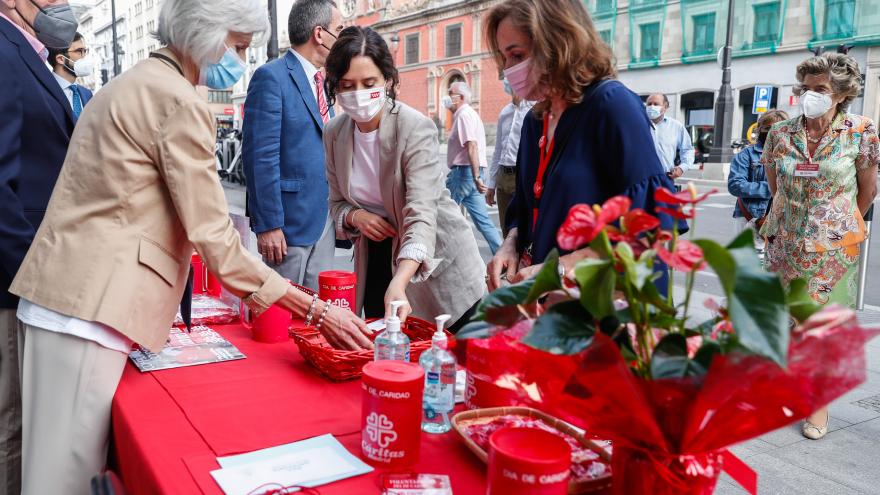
(560, 268)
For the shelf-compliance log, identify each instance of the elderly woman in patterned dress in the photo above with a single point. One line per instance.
(822, 170)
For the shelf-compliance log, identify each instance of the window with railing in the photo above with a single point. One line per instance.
(704, 33)
(453, 40)
(766, 28)
(219, 96)
(649, 47)
(149, 4)
(840, 18)
(605, 34)
(412, 49)
(138, 8)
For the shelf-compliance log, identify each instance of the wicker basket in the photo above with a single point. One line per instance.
(479, 416)
(340, 365)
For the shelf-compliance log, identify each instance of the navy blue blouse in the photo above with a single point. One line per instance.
(608, 151)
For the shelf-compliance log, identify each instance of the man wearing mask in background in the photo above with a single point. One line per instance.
(283, 150)
(37, 121)
(670, 137)
(68, 64)
(466, 157)
(501, 180)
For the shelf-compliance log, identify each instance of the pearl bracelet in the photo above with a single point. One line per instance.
(311, 314)
(323, 314)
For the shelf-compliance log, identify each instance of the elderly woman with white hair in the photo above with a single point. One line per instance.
(466, 157)
(822, 170)
(107, 268)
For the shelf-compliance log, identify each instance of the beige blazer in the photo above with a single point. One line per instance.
(413, 185)
(137, 191)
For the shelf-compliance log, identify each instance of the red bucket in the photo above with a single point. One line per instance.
(339, 287)
(528, 461)
(391, 422)
(272, 326)
(203, 281)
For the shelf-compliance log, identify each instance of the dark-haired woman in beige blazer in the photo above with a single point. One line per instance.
(388, 194)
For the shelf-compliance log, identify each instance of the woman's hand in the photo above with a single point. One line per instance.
(371, 225)
(506, 259)
(344, 330)
(525, 273)
(396, 292)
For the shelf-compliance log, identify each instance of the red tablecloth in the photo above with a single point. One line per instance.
(170, 425)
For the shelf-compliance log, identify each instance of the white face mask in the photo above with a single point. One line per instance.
(446, 101)
(815, 104)
(654, 111)
(363, 105)
(82, 67)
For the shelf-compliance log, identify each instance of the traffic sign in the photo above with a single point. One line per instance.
(761, 103)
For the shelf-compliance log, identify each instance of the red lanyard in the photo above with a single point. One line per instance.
(546, 146)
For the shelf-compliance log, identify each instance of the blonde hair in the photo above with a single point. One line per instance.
(567, 52)
(771, 117)
(846, 78)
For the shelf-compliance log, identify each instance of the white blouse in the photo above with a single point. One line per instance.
(365, 188)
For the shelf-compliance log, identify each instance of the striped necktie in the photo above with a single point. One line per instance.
(323, 109)
(77, 100)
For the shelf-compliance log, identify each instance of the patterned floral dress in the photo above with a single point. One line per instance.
(814, 225)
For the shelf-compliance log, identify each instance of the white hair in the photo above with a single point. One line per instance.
(461, 87)
(198, 28)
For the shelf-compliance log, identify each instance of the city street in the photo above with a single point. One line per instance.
(845, 461)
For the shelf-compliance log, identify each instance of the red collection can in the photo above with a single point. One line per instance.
(339, 287)
(203, 281)
(528, 461)
(391, 413)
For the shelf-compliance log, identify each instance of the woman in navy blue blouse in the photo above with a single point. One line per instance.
(589, 137)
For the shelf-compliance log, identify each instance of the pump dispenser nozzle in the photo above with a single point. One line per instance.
(395, 307)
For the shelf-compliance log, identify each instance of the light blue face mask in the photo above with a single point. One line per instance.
(225, 73)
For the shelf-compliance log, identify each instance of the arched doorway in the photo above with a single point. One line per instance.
(698, 108)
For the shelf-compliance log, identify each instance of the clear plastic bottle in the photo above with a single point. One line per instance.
(439, 396)
(392, 344)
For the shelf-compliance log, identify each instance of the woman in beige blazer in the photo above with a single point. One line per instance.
(388, 193)
(138, 190)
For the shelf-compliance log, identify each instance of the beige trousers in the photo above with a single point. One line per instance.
(68, 385)
(10, 403)
(505, 187)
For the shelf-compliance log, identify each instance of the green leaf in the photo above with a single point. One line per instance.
(565, 328)
(757, 306)
(745, 239)
(475, 330)
(670, 359)
(800, 304)
(547, 279)
(705, 328)
(596, 279)
(703, 358)
(637, 273)
(500, 306)
(602, 245)
(650, 295)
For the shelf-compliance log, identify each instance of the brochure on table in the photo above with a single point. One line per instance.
(201, 346)
(313, 462)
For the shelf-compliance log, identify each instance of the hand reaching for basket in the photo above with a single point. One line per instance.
(344, 330)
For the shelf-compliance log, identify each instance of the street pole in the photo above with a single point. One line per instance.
(115, 40)
(864, 248)
(721, 152)
(272, 46)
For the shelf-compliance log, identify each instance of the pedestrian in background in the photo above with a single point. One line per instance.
(37, 122)
(822, 170)
(412, 242)
(466, 157)
(501, 180)
(747, 181)
(282, 151)
(110, 261)
(67, 65)
(671, 138)
(587, 140)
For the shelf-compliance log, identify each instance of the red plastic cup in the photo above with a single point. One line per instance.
(528, 461)
(339, 287)
(270, 327)
(391, 413)
(203, 281)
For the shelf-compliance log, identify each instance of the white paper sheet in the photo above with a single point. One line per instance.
(297, 468)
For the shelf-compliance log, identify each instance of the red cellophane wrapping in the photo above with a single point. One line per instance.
(670, 435)
(209, 310)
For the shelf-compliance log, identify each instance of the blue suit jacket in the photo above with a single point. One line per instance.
(85, 94)
(283, 153)
(35, 129)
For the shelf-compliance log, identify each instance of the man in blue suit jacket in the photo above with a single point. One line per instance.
(282, 149)
(65, 63)
(35, 129)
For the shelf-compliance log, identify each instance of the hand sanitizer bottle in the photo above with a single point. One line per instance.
(439, 396)
(392, 344)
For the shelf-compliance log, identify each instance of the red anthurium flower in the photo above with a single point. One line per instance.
(678, 213)
(686, 197)
(584, 223)
(638, 221)
(686, 256)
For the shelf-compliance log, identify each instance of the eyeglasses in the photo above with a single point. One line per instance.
(82, 52)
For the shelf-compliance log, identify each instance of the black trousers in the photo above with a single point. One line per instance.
(379, 278)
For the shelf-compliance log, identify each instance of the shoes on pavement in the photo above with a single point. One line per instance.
(814, 432)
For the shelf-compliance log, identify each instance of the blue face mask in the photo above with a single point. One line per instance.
(225, 73)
